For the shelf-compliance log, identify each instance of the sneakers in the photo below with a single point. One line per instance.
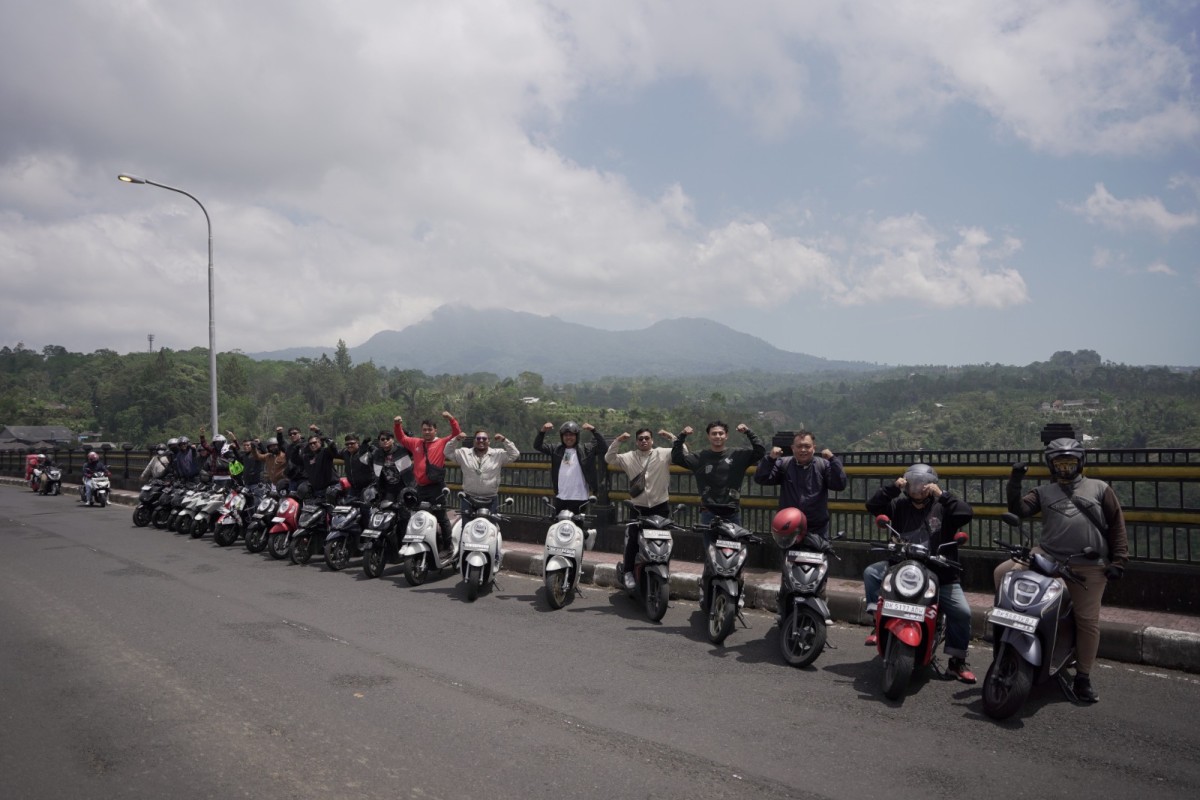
(872, 639)
(630, 584)
(1083, 689)
(959, 669)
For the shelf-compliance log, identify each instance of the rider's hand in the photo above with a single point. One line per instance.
(1019, 469)
(776, 452)
(548, 426)
(447, 415)
(624, 437)
(1114, 572)
(587, 426)
(826, 453)
(901, 483)
(741, 428)
(687, 430)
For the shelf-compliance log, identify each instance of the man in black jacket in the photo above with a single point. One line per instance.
(719, 470)
(572, 465)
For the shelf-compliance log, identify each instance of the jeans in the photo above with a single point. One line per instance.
(87, 490)
(952, 603)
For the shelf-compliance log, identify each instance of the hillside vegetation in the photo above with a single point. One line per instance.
(147, 397)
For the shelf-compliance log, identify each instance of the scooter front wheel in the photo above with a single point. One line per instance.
(1007, 684)
(415, 569)
(722, 613)
(256, 538)
(474, 582)
(160, 517)
(801, 637)
(141, 516)
(185, 525)
(658, 592)
(225, 535)
(337, 554)
(298, 550)
(199, 528)
(277, 545)
(898, 664)
(557, 593)
(374, 560)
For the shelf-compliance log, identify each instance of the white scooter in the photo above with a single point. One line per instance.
(562, 560)
(419, 549)
(100, 490)
(478, 531)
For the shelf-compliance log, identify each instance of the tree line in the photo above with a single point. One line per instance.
(148, 397)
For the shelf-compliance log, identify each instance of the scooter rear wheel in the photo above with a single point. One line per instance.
(277, 545)
(1007, 685)
(722, 613)
(801, 637)
(658, 592)
(898, 664)
(256, 538)
(160, 517)
(184, 525)
(199, 528)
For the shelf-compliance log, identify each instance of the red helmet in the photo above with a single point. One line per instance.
(787, 525)
(344, 483)
(93, 456)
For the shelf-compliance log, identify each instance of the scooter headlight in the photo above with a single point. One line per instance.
(479, 530)
(909, 580)
(565, 531)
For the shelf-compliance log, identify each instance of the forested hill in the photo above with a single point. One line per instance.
(507, 343)
(147, 397)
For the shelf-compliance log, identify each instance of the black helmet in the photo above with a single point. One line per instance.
(569, 427)
(1064, 452)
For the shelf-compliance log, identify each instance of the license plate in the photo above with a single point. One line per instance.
(802, 557)
(911, 611)
(370, 534)
(477, 546)
(560, 551)
(725, 544)
(1011, 619)
(656, 535)
(413, 537)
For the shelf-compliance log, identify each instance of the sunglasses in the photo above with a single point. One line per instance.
(386, 438)
(481, 438)
(644, 438)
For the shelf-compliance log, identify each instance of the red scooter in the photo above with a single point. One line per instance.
(285, 521)
(908, 627)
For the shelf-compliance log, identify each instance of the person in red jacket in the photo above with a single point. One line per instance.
(429, 466)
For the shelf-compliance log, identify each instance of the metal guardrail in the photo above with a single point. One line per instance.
(1159, 490)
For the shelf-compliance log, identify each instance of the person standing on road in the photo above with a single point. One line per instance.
(648, 469)
(572, 465)
(720, 469)
(482, 466)
(429, 467)
(158, 465)
(1077, 513)
(922, 512)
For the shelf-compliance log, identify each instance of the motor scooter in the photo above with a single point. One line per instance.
(261, 520)
(478, 531)
(101, 488)
(313, 528)
(651, 585)
(51, 480)
(562, 561)
(419, 551)
(235, 513)
(208, 509)
(380, 539)
(908, 627)
(283, 525)
(1033, 628)
(722, 585)
(346, 525)
(148, 498)
(802, 613)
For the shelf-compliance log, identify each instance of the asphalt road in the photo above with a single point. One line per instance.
(137, 663)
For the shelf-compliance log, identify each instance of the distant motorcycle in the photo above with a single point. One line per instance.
(235, 514)
(148, 498)
(261, 520)
(51, 481)
(346, 525)
(100, 490)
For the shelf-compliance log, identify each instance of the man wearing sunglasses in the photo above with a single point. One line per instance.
(393, 467)
(648, 469)
(482, 465)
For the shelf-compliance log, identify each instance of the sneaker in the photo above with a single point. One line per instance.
(872, 639)
(630, 584)
(1083, 689)
(959, 669)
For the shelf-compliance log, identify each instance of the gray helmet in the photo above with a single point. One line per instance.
(918, 476)
(1060, 449)
(183, 440)
(172, 442)
(569, 427)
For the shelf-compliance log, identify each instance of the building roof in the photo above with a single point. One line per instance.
(33, 434)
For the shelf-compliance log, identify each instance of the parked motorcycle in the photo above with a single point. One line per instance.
(802, 612)
(261, 519)
(182, 512)
(380, 540)
(652, 564)
(167, 508)
(148, 498)
(235, 513)
(908, 627)
(346, 525)
(209, 509)
(562, 560)
(1033, 628)
(283, 525)
(101, 489)
(478, 531)
(315, 519)
(419, 551)
(722, 585)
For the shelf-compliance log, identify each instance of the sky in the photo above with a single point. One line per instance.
(889, 181)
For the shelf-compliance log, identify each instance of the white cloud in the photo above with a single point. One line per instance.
(1142, 212)
(1159, 268)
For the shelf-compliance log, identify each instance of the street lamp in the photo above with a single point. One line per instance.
(212, 327)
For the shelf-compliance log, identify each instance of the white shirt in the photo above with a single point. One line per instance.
(571, 484)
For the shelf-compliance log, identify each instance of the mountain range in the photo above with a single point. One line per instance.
(506, 343)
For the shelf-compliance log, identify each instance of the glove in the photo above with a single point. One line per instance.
(1019, 469)
(1114, 572)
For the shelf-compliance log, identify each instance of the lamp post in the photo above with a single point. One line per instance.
(212, 327)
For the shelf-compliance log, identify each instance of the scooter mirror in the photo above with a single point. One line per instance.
(961, 537)
(1009, 518)
(882, 522)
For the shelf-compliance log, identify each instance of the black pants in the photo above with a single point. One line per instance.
(631, 532)
(433, 494)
